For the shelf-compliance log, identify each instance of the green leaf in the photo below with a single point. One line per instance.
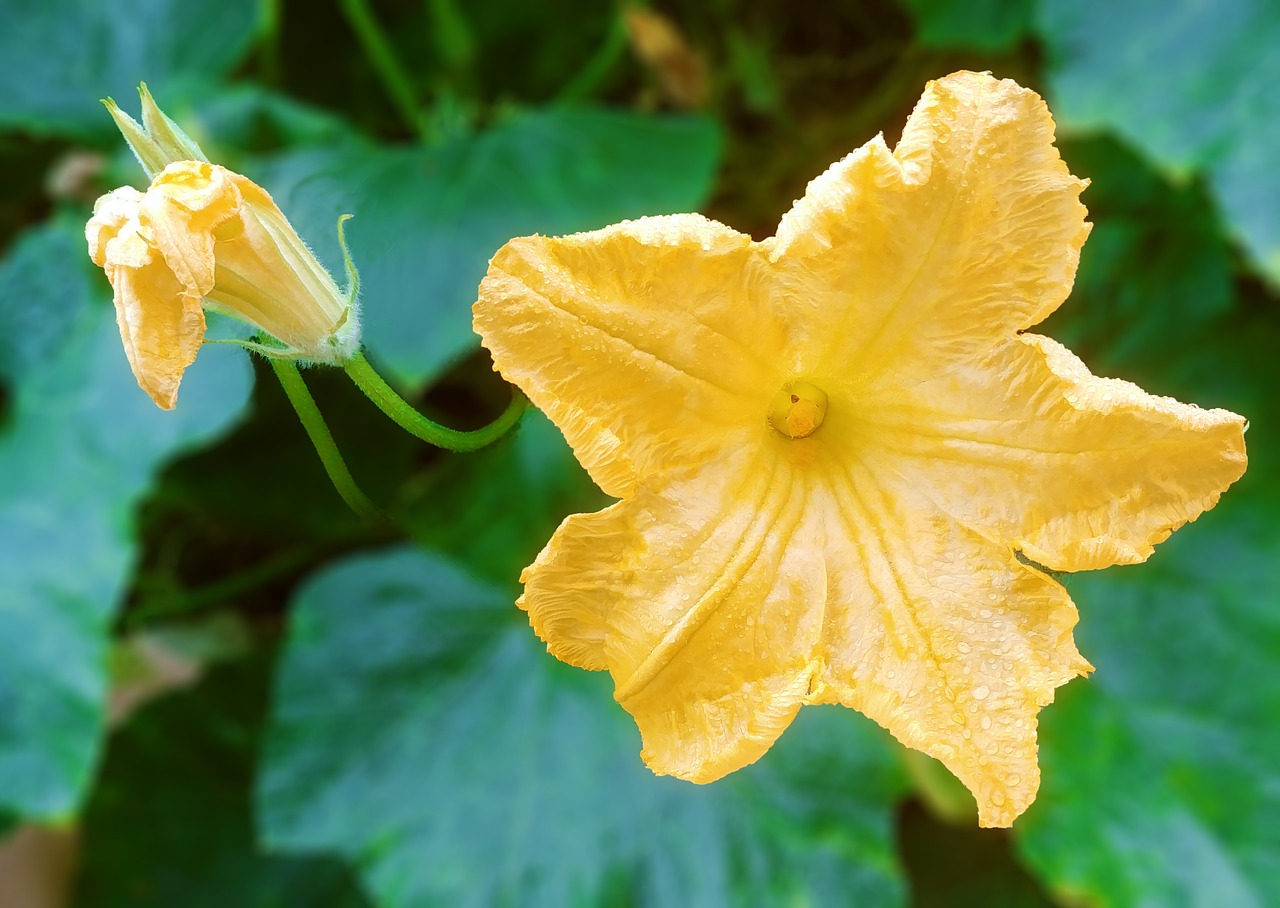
(986, 25)
(427, 221)
(421, 730)
(78, 449)
(1156, 273)
(492, 511)
(169, 822)
(1191, 84)
(61, 56)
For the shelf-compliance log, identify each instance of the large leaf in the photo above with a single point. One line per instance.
(78, 449)
(169, 822)
(492, 511)
(428, 220)
(61, 56)
(1156, 273)
(1190, 83)
(421, 730)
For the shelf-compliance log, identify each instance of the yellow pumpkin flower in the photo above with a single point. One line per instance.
(202, 236)
(838, 450)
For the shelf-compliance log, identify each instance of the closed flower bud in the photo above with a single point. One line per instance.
(202, 237)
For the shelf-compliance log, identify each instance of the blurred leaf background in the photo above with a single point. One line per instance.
(219, 688)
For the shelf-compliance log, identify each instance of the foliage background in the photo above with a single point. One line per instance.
(219, 688)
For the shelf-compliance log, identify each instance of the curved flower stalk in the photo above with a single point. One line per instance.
(204, 236)
(836, 451)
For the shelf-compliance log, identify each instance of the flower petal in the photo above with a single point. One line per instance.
(942, 637)
(161, 320)
(645, 342)
(1078, 472)
(703, 597)
(969, 231)
(268, 277)
(181, 210)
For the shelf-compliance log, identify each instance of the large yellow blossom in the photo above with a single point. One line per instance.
(833, 446)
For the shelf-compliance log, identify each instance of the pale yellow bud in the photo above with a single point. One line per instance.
(203, 236)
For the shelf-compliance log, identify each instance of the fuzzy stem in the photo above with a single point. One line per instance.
(413, 422)
(309, 414)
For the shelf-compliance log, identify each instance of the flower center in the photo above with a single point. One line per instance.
(798, 409)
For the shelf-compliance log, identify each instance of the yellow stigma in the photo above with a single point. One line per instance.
(798, 409)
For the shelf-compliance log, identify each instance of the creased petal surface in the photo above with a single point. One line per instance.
(646, 342)
(703, 597)
(878, 559)
(941, 636)
(967, 232)
(160, 318)
(1078, 472)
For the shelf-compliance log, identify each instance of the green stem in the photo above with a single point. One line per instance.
(159, 606)
(394, 79)
(413, 422)
(309, 414)
(269, 41)
(597, 69)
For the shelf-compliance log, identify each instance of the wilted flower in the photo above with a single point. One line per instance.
(203, 236)
(838, 451)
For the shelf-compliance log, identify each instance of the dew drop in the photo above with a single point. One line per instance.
(986, 722)
(981, 692)
(1013, 778)
(963, 647)
(997, 798)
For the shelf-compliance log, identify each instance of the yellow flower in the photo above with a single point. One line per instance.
(837, 450)
(202, 237)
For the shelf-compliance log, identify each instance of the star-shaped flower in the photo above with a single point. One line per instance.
(837, 451)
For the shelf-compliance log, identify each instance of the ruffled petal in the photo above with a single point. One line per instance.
(1078, 472)
(967, 232)
(186, 203)
(942, 637)
(648, 343)
(160, 318)
(703, 597)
